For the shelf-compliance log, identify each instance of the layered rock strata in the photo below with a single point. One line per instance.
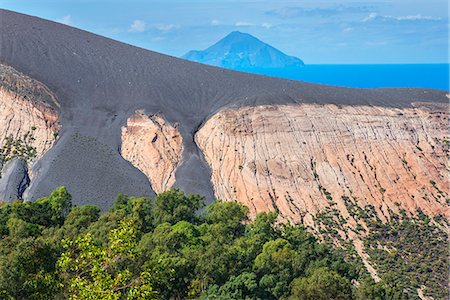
(28, 128)
(299, 160)
(28, 116)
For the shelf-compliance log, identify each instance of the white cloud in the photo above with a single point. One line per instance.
(322, 11)
(158, 39)
(243, 23)
(347, 29)
(375, 43)
(116, 30)
(141, 26)
(65, 20)
(370, 17)
(137, 26)
(248, 24)
(166, 27)
(215, 22)
(418, 17)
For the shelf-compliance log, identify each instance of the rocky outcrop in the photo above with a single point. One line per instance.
(154, 146)
(300, 160)
(28, 116)
(14, 180)
(28, 128)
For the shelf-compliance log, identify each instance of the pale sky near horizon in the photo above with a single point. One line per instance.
(319, 32)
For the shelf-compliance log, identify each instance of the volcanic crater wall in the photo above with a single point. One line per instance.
(101, 82)
(300, 159)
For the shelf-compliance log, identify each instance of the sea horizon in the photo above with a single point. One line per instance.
(414, 75)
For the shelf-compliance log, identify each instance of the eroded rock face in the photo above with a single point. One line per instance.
(28, 116)
(301, 159)
(14, 180)
(154, 146)
(28, 128)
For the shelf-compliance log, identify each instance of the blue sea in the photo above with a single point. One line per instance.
(434, 76)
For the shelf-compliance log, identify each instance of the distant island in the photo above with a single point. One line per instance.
(240, 50)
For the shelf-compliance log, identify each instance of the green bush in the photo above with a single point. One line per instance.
(166, 248)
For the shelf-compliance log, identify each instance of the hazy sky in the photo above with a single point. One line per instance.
(396, 31)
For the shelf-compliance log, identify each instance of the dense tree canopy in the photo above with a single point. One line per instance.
(166, 248)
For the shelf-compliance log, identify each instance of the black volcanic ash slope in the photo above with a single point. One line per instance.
(100, 83)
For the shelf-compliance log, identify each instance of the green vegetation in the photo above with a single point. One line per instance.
(165, 249)
(18, 148)
(413, 254)
(408, 252)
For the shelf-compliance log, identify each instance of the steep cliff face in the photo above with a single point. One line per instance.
(154, 146)
(28, 116)
(28, 128)
(301, 160)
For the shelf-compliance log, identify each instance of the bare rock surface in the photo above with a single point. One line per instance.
(14, 180)
(28, 128)
(28, 116)
(153, 146)
(300, 159)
